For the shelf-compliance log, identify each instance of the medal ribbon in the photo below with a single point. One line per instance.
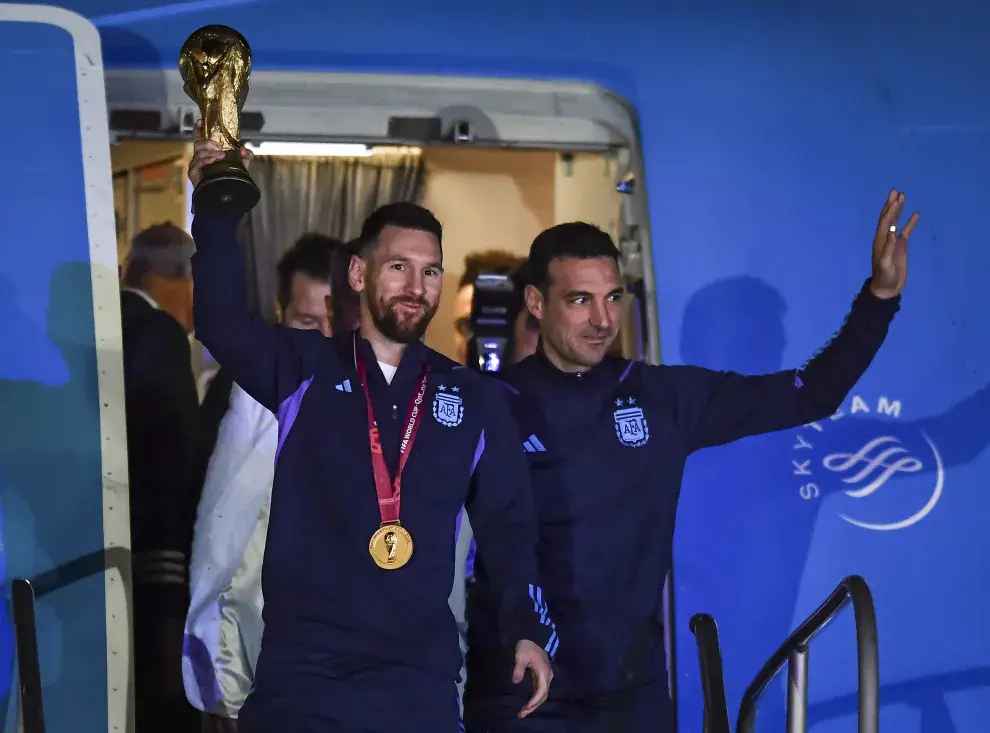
(390, 489)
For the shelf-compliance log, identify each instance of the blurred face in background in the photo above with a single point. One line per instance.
(159, 264)
(307, 307)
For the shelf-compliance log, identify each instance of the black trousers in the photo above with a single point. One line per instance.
(644, 708)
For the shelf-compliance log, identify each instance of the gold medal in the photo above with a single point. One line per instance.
(391, 546)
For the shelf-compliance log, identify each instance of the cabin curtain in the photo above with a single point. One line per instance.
(326, 195)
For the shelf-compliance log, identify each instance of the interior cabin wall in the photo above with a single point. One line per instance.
(149, 186)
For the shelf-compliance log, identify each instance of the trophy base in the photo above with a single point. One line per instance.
(226, 190)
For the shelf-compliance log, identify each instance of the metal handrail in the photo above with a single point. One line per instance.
(710, 663)
(23, 594)
(795, 651)
(28, 666)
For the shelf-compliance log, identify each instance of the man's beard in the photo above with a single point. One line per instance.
(401, 330)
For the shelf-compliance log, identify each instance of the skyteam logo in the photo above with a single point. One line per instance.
(630, 423)
(448, 408)
(893, 470)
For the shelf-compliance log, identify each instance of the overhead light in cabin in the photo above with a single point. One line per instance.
(311, 150)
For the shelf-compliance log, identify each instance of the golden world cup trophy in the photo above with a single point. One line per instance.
(215, 64)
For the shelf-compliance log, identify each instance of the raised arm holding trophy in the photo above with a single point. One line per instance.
(372, 646)
(215, 64)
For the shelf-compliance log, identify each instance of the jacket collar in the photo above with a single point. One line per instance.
(409, 368)
(545, 368)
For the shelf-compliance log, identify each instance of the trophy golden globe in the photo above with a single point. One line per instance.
(215, 64)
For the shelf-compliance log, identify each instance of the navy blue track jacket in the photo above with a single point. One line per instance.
(330, 613)
(607, 450)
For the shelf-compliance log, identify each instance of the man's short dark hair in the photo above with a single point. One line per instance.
(489, 262)
(576, 239)
(312, 255)
(401, 214)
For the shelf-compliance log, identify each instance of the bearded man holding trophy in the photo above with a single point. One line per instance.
(352, 643)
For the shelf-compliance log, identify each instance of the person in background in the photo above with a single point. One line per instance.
(607, 442)
(224, 624)
(162, 406)
(489, 262)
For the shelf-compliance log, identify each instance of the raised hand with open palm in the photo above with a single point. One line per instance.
(890, 247)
